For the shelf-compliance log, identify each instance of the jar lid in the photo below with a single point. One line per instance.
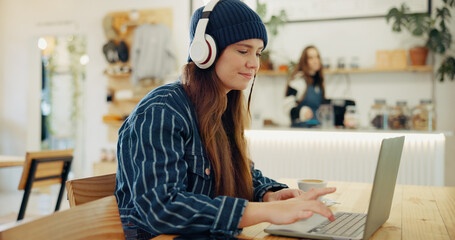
(402, 103)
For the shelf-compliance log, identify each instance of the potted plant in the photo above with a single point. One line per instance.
(272, 26)
(434, 28)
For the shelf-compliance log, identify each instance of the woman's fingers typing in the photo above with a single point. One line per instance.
(282, 194)
(314, 193)
(305, 214)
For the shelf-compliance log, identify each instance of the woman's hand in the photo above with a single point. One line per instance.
(292, 210)
(306, 114)
(282, 194)
(287, 211)
(287, 193)
(315, 193)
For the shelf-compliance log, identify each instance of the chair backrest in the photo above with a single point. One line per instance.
(44, 168)
(85, 190)
(99, 219)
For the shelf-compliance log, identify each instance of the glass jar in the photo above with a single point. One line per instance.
(351, 117)
(326, 116)
(341, 63)
(378, 114)
(354, 63)
(399, 116)
(423, 116)
(326, 63)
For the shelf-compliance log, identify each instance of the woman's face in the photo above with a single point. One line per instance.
(238, 64)
(314, 63)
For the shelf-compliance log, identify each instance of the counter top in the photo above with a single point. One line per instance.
(341, 130)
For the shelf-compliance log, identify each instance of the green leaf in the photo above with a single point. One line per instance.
(261, 9)
(419, 23)
(451, 3)
(399, 18)
(447, 68)
(443, 13)
(283, 16)
(439, 41)
(392, 13)
(443, 27)
(274, 22)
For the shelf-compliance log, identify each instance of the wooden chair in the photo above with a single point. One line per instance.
(44, 168)
(85, 190)
(99, 219)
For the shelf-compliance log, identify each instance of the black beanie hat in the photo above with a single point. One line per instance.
(230, 21)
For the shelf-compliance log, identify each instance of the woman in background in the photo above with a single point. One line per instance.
(183, 166)
(305, 89)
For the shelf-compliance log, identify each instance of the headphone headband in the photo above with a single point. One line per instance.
(210, 5)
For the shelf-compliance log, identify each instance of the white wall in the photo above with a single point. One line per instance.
(22, 22)
(13, 121)
(2, 87)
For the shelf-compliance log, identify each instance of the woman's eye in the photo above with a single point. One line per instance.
(242, 52)
(258, 54)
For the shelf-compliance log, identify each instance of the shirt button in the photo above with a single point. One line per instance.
(207, 171)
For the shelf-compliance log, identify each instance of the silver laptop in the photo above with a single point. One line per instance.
(355, 225)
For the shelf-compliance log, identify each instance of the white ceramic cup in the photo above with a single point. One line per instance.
(306, 184)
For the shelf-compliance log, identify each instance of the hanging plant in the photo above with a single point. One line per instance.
(272, 25)
(438, 35)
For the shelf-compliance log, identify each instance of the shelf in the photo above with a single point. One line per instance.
(134, 100)
(126, 92)
(360, 70)
(116, 123)
(112, 128)
(271, 73)
(118, 75)
(380, 70)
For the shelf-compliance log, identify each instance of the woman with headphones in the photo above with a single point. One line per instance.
(183, 163)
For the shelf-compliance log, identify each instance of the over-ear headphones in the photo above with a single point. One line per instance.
(203, 48)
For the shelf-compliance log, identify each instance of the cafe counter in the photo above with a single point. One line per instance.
(345, 155)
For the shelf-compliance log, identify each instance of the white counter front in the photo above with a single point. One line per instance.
(342, 155)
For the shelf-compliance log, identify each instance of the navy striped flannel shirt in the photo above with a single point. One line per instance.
(164, 184)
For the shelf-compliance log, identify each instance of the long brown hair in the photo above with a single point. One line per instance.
(302, 67)
(222, 119)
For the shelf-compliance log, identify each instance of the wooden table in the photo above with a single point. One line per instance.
(11, 161)
(418, 212)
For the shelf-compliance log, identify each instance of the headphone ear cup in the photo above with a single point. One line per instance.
(199, 50)
(211, 55)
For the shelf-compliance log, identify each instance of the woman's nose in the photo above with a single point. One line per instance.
(252, 61)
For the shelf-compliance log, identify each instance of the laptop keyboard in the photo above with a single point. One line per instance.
(346, 224)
